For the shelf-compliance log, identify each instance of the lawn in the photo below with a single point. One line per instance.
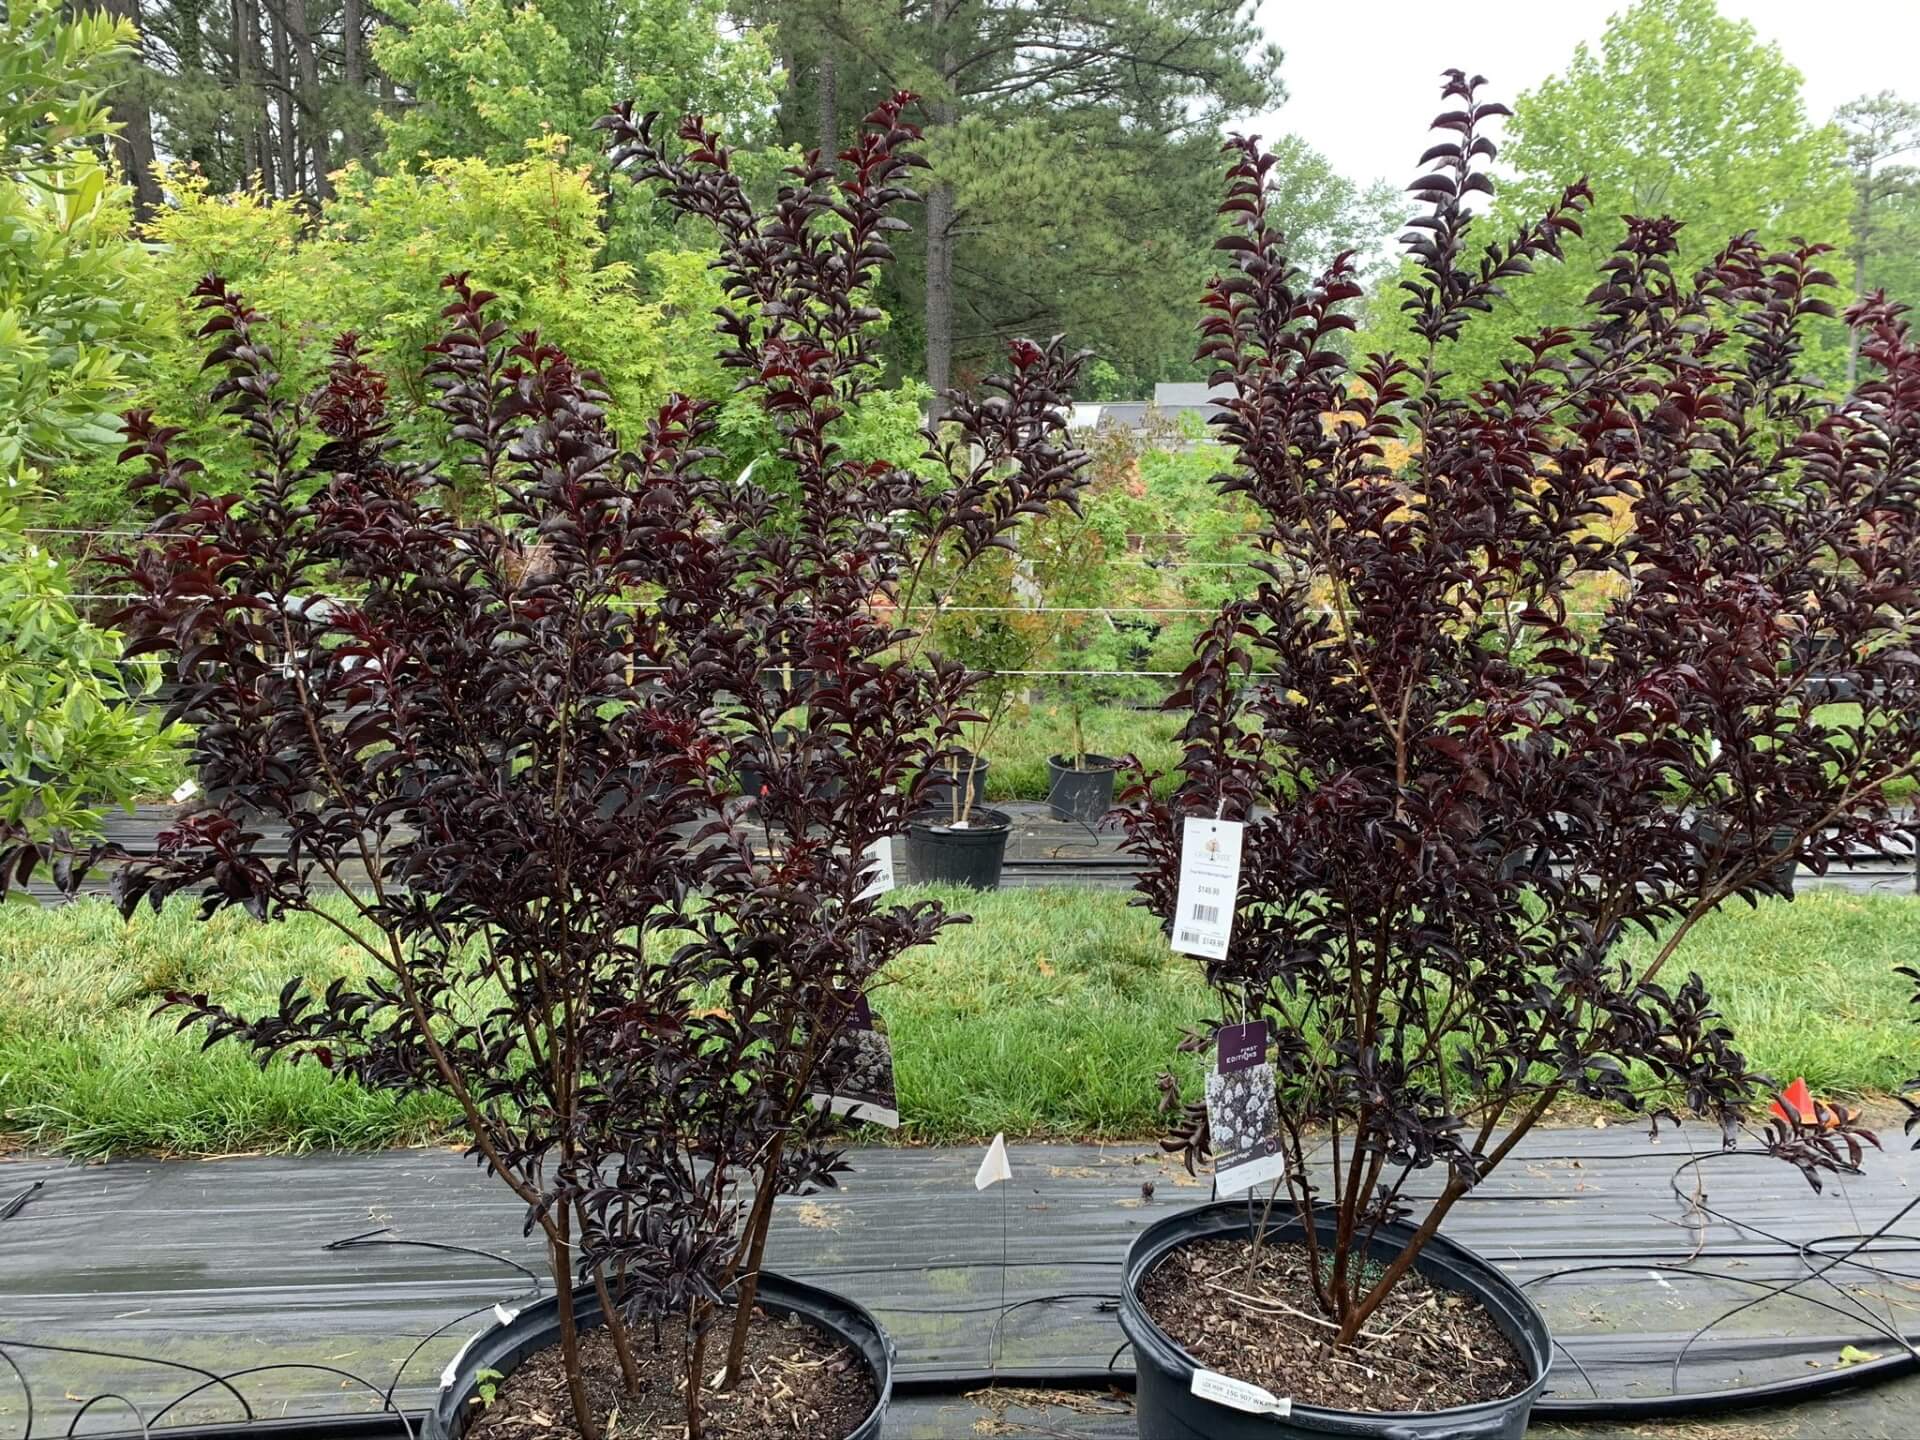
(1049, 1016)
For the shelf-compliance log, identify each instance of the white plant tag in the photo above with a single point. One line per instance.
(185, 791)
(1209, 886)
(504, 1316)
(879, 868)
(1237, 1394)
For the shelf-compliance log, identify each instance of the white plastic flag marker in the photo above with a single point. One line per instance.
(994, 1168)
(185, 791)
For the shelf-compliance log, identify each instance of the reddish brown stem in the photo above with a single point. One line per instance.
(557, 1253)
(747, 1284)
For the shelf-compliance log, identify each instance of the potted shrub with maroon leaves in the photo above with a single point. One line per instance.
(1406, 703)
(503, 753)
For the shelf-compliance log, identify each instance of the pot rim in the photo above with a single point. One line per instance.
(1168, 1233)
(1096, 764)
(776, 1292)
(930, 822)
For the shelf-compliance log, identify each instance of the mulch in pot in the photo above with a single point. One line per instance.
(801, 1382)
(1423, 1349)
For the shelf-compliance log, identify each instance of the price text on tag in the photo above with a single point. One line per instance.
(879, 868)
(1209, 886)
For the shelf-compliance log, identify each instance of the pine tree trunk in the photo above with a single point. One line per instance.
(940, 292)
(353, 61)
(827, 75)
(308, 103)
(283, 106)
(353, 68)
(1863, 228)
(940, 217)
(249, 109)
(133, 146)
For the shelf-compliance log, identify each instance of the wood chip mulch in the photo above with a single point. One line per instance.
(800, 1382)
(1423, 1349)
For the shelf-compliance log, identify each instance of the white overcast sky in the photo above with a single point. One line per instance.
(1362, 76)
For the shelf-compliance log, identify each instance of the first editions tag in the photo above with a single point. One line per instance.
(1209, 886)
(859, 1066)
(1243, 1114)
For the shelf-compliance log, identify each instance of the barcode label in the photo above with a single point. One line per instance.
(1209, 886)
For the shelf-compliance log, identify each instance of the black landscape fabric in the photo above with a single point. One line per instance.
(224, 1265)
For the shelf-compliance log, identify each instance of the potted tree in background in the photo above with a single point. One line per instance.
(955, 837)
(1077, 562)
(1403, 705)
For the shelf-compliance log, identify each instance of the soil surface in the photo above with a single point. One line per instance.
(1423, 1349)
(801, 1382)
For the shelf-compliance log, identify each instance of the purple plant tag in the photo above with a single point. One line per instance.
(1242, 1046)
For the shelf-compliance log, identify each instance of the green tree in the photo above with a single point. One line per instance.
(491, 79)
(74, 735)
(1679, 111)
(1881, 132)
(274, 93)
(1073, 146)
(72, 281)
(372, 262)
(70, 297)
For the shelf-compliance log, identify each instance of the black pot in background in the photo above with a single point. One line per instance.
(752, 782)
(1085, 795)
(938, 854)
(962, 773)
(625, 793)
(1823, 654)
(1706, 834)
(1166, 1408)
(786, 685)
(504, 1347)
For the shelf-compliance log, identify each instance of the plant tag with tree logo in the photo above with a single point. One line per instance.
(1225, 1390)
(1209, 886)
(1243, 1117)
(858, 1068)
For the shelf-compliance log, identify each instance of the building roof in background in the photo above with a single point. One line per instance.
(1172, 401)
(1188, 395)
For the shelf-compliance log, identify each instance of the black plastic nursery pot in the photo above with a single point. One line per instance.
(941, 853)
(1168, 1410)
(502, 1348)
(1085, 793)
(1781, 877)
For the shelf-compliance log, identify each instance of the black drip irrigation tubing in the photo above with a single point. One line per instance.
(391, 1424)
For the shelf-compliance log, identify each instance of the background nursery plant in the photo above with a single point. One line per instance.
(1460, 796)
(514, 744)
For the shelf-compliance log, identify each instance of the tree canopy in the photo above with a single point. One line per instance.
(1678, 112)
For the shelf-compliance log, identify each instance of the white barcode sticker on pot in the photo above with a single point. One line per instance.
(1209, 886)
(1225, 1390)
(879, 868)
